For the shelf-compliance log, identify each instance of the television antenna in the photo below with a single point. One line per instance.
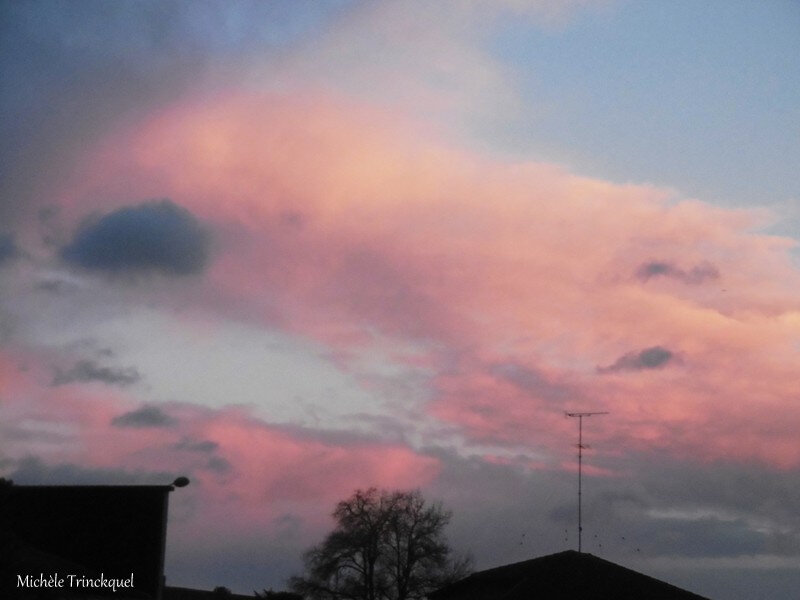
(580, 416)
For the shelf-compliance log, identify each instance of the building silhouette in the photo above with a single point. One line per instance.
(81, 541)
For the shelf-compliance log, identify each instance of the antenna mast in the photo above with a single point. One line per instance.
(580, 416)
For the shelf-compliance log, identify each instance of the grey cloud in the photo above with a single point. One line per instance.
(53, 286)
(153, 236)
(649, 358)
(147, 416)
(7, 325)
(489, 518)
(8, 248)
(662, 507)
(15, 432)
(706, 537)
(696, 275)
(746, 488)
(86, 370)
(31, 470)
(214, 463)
(288, 526)
(708, 510)
(218, 465)
(678, 508)
(196, 445)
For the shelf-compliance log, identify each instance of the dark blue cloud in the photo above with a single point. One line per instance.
(154, 236)
(649, 358)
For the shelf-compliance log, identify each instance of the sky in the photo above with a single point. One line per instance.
(290, 249)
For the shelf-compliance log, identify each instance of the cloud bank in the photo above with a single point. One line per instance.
(396, 237)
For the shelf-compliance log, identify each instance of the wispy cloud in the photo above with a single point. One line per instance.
(87, 370)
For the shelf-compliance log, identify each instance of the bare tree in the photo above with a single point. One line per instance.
(386, 546)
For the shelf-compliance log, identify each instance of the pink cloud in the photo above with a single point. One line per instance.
(245, 473)
(354, 226)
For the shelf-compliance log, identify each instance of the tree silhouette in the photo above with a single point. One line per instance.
(386, 546)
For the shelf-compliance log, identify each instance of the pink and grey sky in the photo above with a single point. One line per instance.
(291, 249)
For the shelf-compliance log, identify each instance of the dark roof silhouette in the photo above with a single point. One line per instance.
(567, 575)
